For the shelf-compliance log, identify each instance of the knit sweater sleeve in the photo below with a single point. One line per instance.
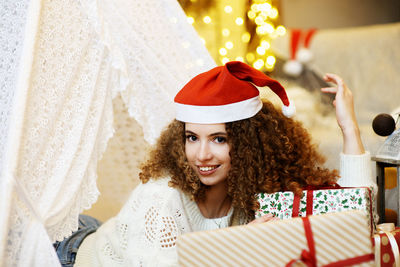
(144, 233)
(355, 170)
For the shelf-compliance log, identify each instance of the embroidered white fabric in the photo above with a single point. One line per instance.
(84, 54)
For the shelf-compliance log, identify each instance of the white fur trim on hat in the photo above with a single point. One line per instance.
(218, 114)
(289, 111)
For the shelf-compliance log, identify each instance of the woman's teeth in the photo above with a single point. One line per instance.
(205, 169)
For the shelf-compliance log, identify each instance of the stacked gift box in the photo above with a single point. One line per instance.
(285, 205)
(341, 222)
(323, 240)
(386, 245)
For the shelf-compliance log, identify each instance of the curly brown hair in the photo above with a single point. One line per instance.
(269, 153)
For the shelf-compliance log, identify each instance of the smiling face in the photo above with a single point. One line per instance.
(207, 152)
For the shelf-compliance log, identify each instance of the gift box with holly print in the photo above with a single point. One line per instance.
(285, 205)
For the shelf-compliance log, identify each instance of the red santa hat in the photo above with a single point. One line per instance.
(304, 55)
(226, 93)
(293, 67)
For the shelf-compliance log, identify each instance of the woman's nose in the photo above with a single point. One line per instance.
(204, 152)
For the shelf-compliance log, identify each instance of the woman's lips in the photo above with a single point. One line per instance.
(207, 170)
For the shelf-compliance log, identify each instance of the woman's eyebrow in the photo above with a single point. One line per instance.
(218, 133)
(213, 134)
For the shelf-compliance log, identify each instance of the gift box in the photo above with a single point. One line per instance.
(386, 242)
(320, 240)
(284, 205)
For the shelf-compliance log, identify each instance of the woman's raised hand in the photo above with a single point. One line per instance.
(345, 114)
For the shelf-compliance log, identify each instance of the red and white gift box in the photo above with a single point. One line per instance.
(317, 200)
(387, 241)
(336, 239)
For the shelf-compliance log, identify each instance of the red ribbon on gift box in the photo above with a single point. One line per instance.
(386, 229)
(309, 257)
(310, 198)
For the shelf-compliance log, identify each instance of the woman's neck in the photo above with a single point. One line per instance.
(216, 203)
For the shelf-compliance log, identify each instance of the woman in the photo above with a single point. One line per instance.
(224, 147)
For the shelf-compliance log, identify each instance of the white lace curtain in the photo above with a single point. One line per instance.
(70, 71)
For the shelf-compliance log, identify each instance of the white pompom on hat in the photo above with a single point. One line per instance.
(304, 54)
(299, 55)
(225, 94)
(293, 67)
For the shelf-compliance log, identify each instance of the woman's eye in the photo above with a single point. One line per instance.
(220, 139)
(191, 138)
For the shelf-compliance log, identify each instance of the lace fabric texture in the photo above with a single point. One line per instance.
(85, 53)
(118, 170)
(156, 51)
(13, 16)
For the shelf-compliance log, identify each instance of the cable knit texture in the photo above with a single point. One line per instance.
(355, 170)
(144, 233)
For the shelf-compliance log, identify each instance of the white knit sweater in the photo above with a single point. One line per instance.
(144, 233)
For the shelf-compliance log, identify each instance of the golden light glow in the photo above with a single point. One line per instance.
(225, 60)
(232, 41)
(263, 15)
(260, 30)
(239, 59)
(259, 20)
(250, 57)
(239, 21)
(273, 34)
(269, 27)
(281, 30)
(265, 44)
(258, 64)
(207, 20)
(226, 32)
(229, 45)
(223, 51)
(254, 7)
(251, 14)
(265, 7)
(260, 50)
(271, 60)
(203, 40)
(228, 9)
(246, 37)
(274, 13)
(265, 29)
(190, 20)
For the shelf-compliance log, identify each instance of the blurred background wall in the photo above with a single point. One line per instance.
(325, 14)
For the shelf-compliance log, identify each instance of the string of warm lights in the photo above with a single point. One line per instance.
(238, 30)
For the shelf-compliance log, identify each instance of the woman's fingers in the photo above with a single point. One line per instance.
(264, 218)
(331, 90)
(330, 77)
